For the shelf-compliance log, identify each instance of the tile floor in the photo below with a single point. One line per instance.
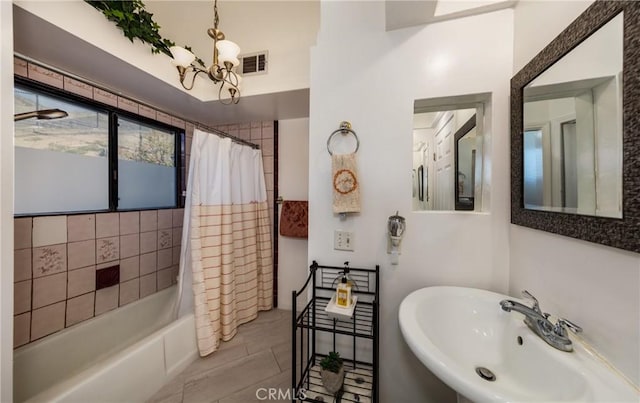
(259, 356)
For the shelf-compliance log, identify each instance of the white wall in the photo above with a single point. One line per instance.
(371, 77)
(293, 184)
(6, 201)
(596, 286)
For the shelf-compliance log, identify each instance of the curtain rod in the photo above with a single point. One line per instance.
(224, 134)
(93, 84)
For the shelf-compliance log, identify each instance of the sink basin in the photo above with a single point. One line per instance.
(460, 333)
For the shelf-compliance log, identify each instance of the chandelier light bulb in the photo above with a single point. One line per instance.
(181, 56)
(228, 51)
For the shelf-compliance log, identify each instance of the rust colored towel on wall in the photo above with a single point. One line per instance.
(294, 218)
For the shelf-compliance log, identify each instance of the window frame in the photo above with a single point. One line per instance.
(113, 114)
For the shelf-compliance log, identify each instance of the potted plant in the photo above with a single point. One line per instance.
(332, 372)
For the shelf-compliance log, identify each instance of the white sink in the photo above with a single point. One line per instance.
(454, 330)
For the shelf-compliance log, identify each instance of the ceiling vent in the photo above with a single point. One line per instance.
(254, 63)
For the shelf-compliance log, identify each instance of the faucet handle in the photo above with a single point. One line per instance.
(561, 327)
(536, 305)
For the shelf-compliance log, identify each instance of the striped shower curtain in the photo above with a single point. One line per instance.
(228, 238)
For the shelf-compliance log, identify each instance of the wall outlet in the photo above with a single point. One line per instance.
(343, 240)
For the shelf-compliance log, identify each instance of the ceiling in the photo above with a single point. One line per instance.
(45, 42)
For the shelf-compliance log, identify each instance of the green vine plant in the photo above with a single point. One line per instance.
(136, 22)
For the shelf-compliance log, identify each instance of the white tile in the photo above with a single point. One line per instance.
(49, 230)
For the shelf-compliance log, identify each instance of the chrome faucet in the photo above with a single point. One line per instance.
(536, 320)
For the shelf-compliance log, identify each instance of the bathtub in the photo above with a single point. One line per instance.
(125, 355)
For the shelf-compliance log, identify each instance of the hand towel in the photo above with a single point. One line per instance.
(294, 218)
(346, 189)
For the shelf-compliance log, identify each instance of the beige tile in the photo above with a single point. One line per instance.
(163, 117)
(129, 222)
(148, 220)
(187, 146)
(148, 263)
(105, 97)
(259, 391)
(129, 291)
(49, 260)
(267, 164)
(47, 320)
(21, 329)
(22, 265)
(129, 245)
(268, 179)
(107, 225)
(49, 230)
(107, 249)
(129, 268)
(221, 357)
(20, 67)
(165, 257)
(231, 378)
(81, 281)
(107, 299)
(127, 104)
(165, 219)
(147, 111)
(165, 238)
(177, 236)
(49, 289)
(175, 255)
(78, 87)
(178, 217)
(80, 308)
(148, 241)
(44, 75)
(81, 227)
(267, 129)
(22, 232)
(147, 285)
(282, 352)
(267, 148)
(244, 133)
(21, 297)
(164, 278)
(256, 132)
(81, 254)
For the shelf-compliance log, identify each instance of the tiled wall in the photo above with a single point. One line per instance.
(71, 268)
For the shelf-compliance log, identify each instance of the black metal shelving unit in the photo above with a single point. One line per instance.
(315, 334)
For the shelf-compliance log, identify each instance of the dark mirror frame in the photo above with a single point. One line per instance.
(620, 233)
(461, 204)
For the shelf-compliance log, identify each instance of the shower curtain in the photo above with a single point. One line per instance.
(226, 254)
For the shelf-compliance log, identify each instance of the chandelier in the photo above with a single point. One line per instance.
(225, 59)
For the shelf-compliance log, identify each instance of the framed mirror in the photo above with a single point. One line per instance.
(575, 130)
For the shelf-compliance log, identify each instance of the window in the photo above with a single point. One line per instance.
(71, 164)
(146, 166)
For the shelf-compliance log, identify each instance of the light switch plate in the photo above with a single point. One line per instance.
(343, 240)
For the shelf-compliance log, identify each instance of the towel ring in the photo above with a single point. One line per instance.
(345, 128)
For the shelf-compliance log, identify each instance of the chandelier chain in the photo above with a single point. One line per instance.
(215, 14)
